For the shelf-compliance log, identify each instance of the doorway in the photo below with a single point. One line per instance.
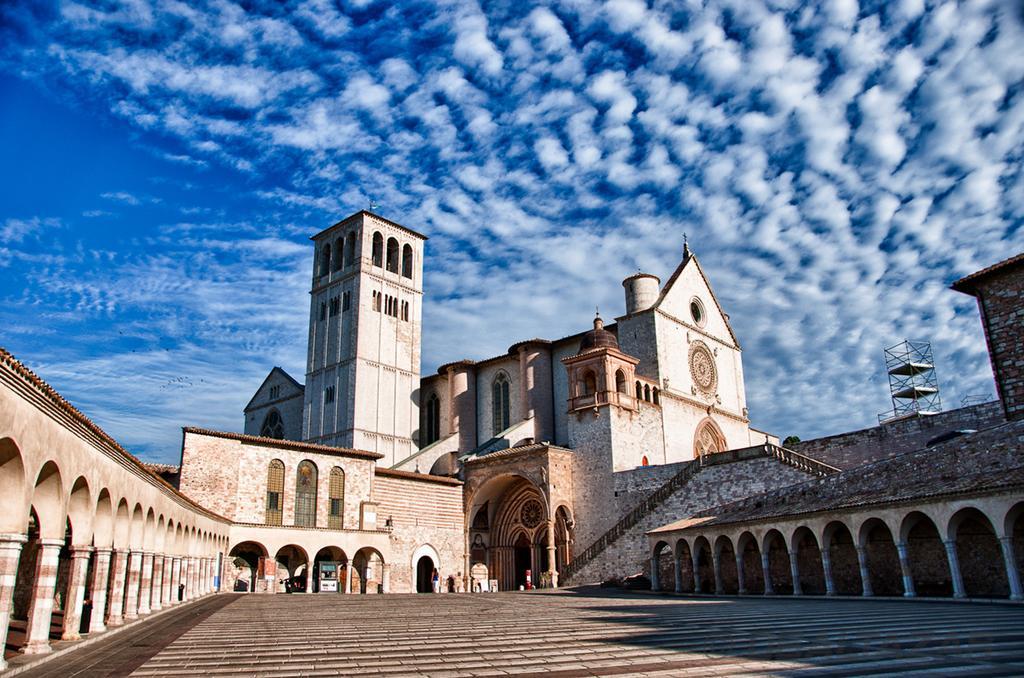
(522, 560)
(424, 572)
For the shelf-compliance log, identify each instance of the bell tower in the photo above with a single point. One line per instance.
(600, 374)
(363, 359)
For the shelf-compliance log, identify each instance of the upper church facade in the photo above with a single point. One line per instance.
(676, 376)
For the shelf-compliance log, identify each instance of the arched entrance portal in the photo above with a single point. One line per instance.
(523, 558)
(424, 574)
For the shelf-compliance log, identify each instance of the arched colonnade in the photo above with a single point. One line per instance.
(963, 548)
(256, 566)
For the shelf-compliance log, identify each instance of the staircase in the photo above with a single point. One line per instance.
(690, 469)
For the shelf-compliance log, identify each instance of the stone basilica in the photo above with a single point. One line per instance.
(622, 449)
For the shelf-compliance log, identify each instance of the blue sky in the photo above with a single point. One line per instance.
(836, 165)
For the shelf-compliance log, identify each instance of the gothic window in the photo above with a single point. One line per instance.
(392, 255)
(346, 301)
(329, 394)
(708, 439)
(432, 425)
(654, 396)
(405, 310)
(407, 261)
(275, 492)
(589, 383)
(305, 494)
(639, 391)
(323, 311)
(325, 259)
(273, 426)
(336, 492)
(339, 248)
(499, 404)
(620, 381)
(334, 306)
(378, 249)
(376, 300)
(647, 392)
(275, 392)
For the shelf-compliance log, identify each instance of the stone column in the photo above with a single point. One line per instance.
(908, 575)
(175, 579)
(677, 569)
(865, 576)
(552, 571)
(193, 577)
(131, 595)
(156, 597)
(10, 554)
(98, 589)
(655, 583)
(794, 569)
(385, 578)
(165, 584)
(826, 565)
(741, 580)
(200, 577)
(74, 601)
(118, 583)
(954, 569)
(348, 577)
(146, 583)
(766, 569)
(1012, 573)
(716, 566)
(40, 611)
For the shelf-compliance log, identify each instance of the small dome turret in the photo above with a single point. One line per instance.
(598, 337)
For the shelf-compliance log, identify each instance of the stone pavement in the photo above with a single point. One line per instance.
(593, 632)
(120, 651)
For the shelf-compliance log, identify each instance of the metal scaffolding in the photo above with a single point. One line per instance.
(912, 382)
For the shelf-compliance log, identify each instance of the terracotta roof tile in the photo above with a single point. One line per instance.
(286, 444)
(967, 283)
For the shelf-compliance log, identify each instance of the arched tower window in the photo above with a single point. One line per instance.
(392, 259)
(589, 383)
(325, 259)
(407, 261)
(305, 494)
(336, 491)
(647, 392)
(339, 251)
(350, 248)
(273, 425)
(432, 424)
(378, 249)
(639, 391)
(275, 492)
(654, 396)
(620, 381)
(499, 403)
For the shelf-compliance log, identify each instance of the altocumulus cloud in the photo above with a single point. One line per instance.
(836, 165)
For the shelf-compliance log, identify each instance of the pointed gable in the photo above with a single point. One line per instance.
(276, 377)
(688, 282)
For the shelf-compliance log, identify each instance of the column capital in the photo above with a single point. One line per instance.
(103, 549)
(83, 551)
(58, 543)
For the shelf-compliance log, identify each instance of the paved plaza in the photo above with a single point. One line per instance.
(589, 632)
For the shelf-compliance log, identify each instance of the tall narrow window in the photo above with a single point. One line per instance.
(376, 300)
(620, 381)
(329, 394)
(323, 311)
(339, 249)
(639, 391)
(499, 403)
(407, 261)
(273, 426)
(589, 383)
(275, 492)
(325, 259)
(378, 249)
(350, 248)
(305, 494)
(647, 392)
(336, 490)
(392, 255)
(346, 301)
(654, 396)
(432, 425)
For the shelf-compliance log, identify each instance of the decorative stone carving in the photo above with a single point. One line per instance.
(702, 367)
(531, 514)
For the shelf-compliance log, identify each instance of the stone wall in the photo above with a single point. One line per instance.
(847, 450)
(712, 486)
(1001, 298)
(422, 512)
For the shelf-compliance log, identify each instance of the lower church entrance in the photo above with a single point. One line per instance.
(522, 560)
(424, 575)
